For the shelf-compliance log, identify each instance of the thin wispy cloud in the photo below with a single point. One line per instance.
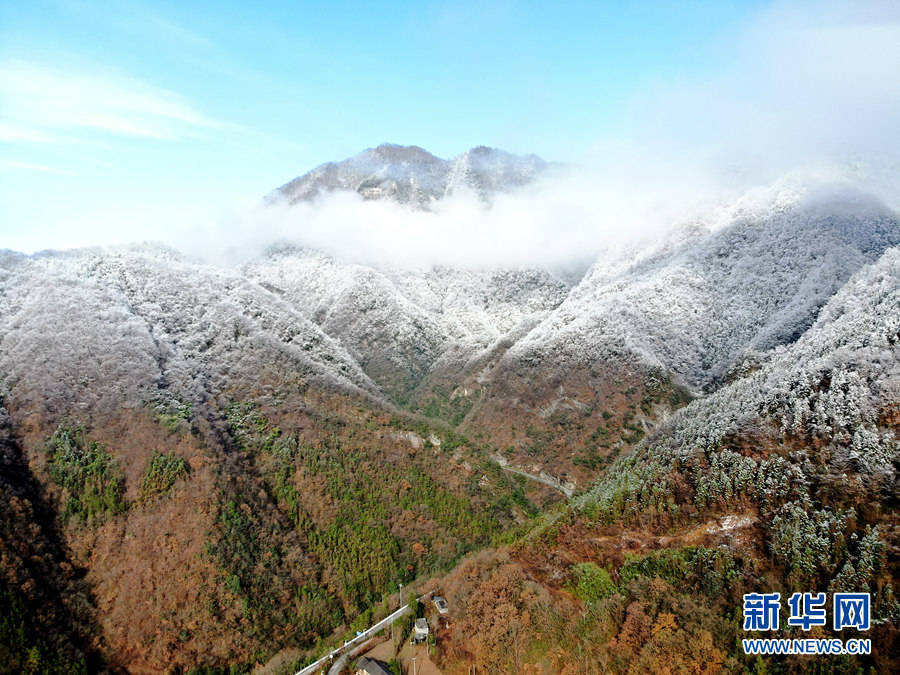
(137, 18)
(784, 96)
(810, 104)
(28, 166)
(804, 86)
(172, 29)
(37, 100)
(14, 133)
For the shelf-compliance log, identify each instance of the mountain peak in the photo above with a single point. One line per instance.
(395, 152)
(409, 174)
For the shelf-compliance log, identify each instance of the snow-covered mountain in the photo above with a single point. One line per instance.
(693, 309)
(312, 399)
(401, 324)
(705, 299)
(94, 330)
(497, 351)
(411, 175)
(809, 437)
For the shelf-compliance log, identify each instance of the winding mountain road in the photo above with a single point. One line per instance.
(567, 489)
(343, 652)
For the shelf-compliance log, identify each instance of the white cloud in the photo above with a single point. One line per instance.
(810, 101)
(808, 83)
(12, 133)
(10, 164)
(809, 96)
(135, 17)
(562, 221)
(36, 99)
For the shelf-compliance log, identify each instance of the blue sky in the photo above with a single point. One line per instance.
(106, 105)
(114, 116)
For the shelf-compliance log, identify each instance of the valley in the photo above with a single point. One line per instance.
(212, 468)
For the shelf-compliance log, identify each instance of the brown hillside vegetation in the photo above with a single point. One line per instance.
(579, 597)
(219, 537)
(206, 469)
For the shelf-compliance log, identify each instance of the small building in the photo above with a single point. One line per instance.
(366, 666)
(441, 605)
(420, 631)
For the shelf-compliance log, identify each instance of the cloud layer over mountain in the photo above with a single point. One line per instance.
(798, 102)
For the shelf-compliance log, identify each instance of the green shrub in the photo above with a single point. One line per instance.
(592, 582)
(709, 571)
(807, 542)
(93, 487)
(161, 474)
(173, 415)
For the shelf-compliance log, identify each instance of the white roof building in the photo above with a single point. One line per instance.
(420, 630)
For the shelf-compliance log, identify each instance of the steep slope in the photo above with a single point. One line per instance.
(228, 478)
(784, 480)
(411, 175)
(394, 341)
(111, 328)
(689, 314)
(409, 328)
(488, 171)
(698, 307)
(829, 401)
(47, 615)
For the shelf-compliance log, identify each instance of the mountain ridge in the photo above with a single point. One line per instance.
(413, 176)
(295, 436)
